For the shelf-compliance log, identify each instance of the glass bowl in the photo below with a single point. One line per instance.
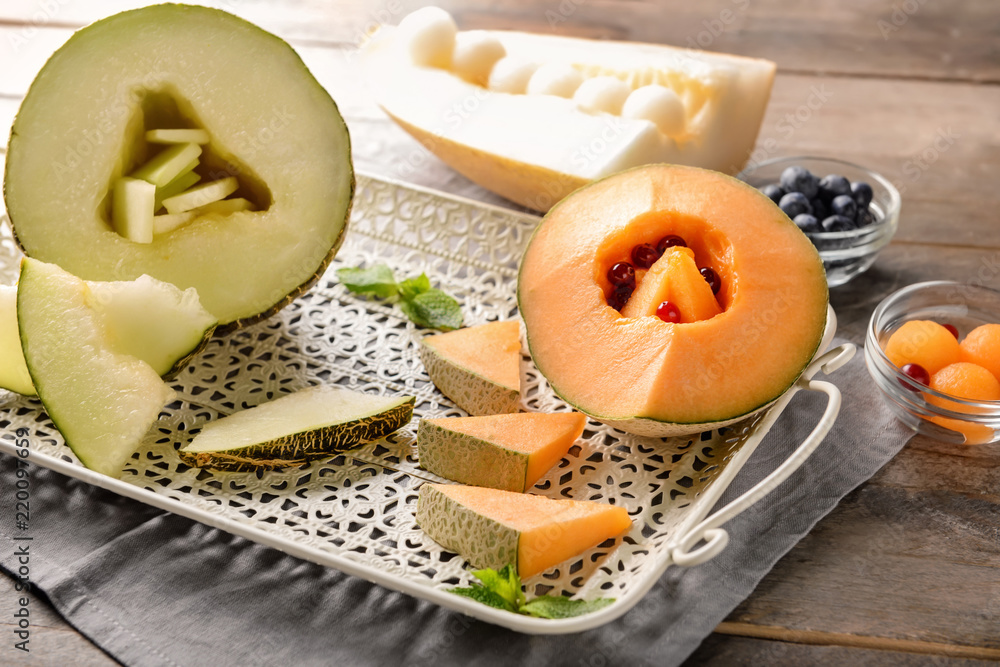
(966, 307)
(845, 254)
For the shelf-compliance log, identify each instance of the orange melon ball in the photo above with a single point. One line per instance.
(922, 342)
(982, 347)
(968, 381)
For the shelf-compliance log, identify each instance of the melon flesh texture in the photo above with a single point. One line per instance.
(102, 401)
(492, 528)
(642, 374)
(83, 122)
(536, 149)
(14, 374)
(674, 278)
(509, 452)
(477, 367)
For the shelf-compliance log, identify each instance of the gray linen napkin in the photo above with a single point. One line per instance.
(155, 589)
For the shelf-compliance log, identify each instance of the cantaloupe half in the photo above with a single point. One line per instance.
(651, 377)
(534, 149)
(509, 452)
(477, 367)
(493, 528)
(674, 278)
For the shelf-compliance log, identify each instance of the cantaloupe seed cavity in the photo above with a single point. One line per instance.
(709, 248)
(176, 130)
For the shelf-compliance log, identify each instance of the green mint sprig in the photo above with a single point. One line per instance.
(502, 590)
(424, 305)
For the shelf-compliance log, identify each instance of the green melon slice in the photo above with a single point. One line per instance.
(14, 374)
(509, 452)
(310, 424)
(477, 367)
(102, 400)
(493, 528)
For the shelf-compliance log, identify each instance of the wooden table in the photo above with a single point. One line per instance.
(906, 570)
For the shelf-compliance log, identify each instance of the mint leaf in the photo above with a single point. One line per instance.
(484, 595)
(433, 309)
(547, 606)
(377, 280)
(411, 287)
(504, 583)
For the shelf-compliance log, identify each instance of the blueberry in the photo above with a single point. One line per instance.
(833, 185)
(820, 208)
(807, 223)
(795, 203)
(799, 179)
(862, 194)
(773, 191)
(844, 205)
(837, 223)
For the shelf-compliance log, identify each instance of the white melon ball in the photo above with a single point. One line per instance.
(428, 35)
(555, 79)
(510, 75)
(602, 93)
(475, 54)
(658, 104)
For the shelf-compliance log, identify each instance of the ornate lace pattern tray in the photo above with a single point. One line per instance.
(355, 512)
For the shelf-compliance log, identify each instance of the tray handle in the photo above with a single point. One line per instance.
(715, 538)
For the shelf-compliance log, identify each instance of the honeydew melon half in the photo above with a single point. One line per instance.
(534, 149)
(83, 123)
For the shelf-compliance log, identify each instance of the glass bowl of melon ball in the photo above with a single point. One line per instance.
(934, 351)
(849, 213)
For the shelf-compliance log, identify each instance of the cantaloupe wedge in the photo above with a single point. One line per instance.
(509, 452)
(674, 278)
(493, 528)
(533, 139)
(477, 367)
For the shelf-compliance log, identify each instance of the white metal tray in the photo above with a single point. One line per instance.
(355, 512)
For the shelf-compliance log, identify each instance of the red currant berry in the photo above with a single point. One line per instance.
(621, 273)
(670, 241)
(644, 255)
(668, 312)
(712, 278)
(952, 328)
(620, 296)
(916, 372)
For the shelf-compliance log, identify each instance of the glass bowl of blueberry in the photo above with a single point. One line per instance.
(849, 213)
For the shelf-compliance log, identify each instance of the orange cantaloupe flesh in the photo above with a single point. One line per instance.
(774, 299)
(489, 350)
(968, 381)
(547, 531)
(675, 278)
(922, 342)
(982, 347)
(510, 451)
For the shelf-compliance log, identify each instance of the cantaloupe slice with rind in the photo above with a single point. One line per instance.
(14, 374)
(102, 401)
(509, 452)
(674, 278)
(493, 528)
(312, 423)
(477, 367)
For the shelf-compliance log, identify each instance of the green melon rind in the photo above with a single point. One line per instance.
(483, 542)
(466, 459)
(470, 391)
(299, 448)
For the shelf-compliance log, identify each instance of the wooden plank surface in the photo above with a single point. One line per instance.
(907, 569)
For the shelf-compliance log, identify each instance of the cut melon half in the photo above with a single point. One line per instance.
(14, 374)
(312, 423)
(493, 528)
(182, 72)
(509, 452)
(103, 401)
(528, 137)
(477, 367)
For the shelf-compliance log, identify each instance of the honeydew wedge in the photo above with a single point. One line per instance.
(508, 452)
(226, 206)
(185, 180)
(477, 367)
(200, 195)
(14, 374)
(493, 528)
(177, 136)
(312, 423)
(168, 164)
(168, 222)
(699, 108)
(133, 202)
(270, 124)
(102, 400)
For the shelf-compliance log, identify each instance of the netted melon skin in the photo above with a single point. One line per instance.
(297, 449)
(481, 541)
(469, 460)
(473, 393)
